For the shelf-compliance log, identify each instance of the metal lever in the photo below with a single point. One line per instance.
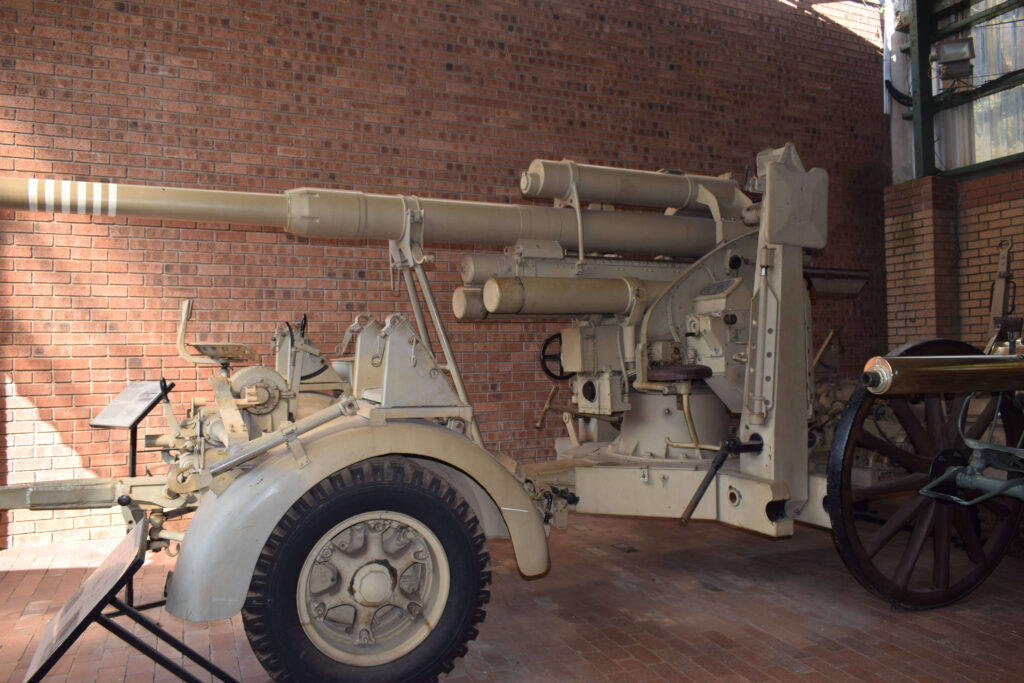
(547, 406)
(172, 421)
(729, 447)
(165, 389)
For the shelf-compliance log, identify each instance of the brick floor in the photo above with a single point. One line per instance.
(704, 602)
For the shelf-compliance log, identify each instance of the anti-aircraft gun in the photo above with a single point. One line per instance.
(343, 506)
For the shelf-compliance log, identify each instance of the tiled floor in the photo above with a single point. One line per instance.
(699, 603)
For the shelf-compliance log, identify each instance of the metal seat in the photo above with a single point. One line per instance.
(678, 372)
(226, 353)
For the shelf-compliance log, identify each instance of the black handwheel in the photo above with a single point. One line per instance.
(912, 550)
(548, 356)
(378, 573)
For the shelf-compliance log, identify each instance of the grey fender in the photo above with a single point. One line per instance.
(228, 531)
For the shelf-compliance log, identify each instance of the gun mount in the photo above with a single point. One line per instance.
(346, 503)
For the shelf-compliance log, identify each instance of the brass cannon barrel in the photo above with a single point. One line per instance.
(926, 374)
(345, 214)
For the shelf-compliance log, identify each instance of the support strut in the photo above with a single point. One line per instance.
(729, 447)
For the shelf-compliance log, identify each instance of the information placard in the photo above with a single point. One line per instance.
(89, 600)
(130, 406)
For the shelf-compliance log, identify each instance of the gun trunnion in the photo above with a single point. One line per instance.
(690, 331)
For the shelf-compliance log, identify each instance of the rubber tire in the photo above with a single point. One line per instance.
(391, 483)
(846, 541)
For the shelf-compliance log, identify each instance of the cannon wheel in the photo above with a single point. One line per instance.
(914, 551)
(378, 573)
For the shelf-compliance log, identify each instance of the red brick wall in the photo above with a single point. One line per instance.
(439, 99)
(942, 239)
(921, 260)
(990, 209)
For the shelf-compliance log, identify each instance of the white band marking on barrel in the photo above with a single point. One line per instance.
(97, 197)
(82, 196)
(48, 194)
(112, 198)
(33, 194)
(65, 196)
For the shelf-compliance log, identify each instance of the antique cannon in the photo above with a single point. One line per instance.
(343, 506)
(924, 478)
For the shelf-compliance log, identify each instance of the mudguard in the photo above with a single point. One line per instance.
(228, 530)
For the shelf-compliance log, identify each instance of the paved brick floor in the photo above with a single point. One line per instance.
(626, 600)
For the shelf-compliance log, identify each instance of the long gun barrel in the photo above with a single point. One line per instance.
(343, 214)
(924, 374)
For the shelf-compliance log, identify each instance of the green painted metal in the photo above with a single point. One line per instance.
(922, 27)
(977, 18)
(985, 165)
(955, 99)
(944, 8)
(924, 32)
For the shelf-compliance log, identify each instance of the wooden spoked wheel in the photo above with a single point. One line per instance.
(915, 551)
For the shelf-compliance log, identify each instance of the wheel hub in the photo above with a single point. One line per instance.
(373, 584)
(940, 465)
(373, 588)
